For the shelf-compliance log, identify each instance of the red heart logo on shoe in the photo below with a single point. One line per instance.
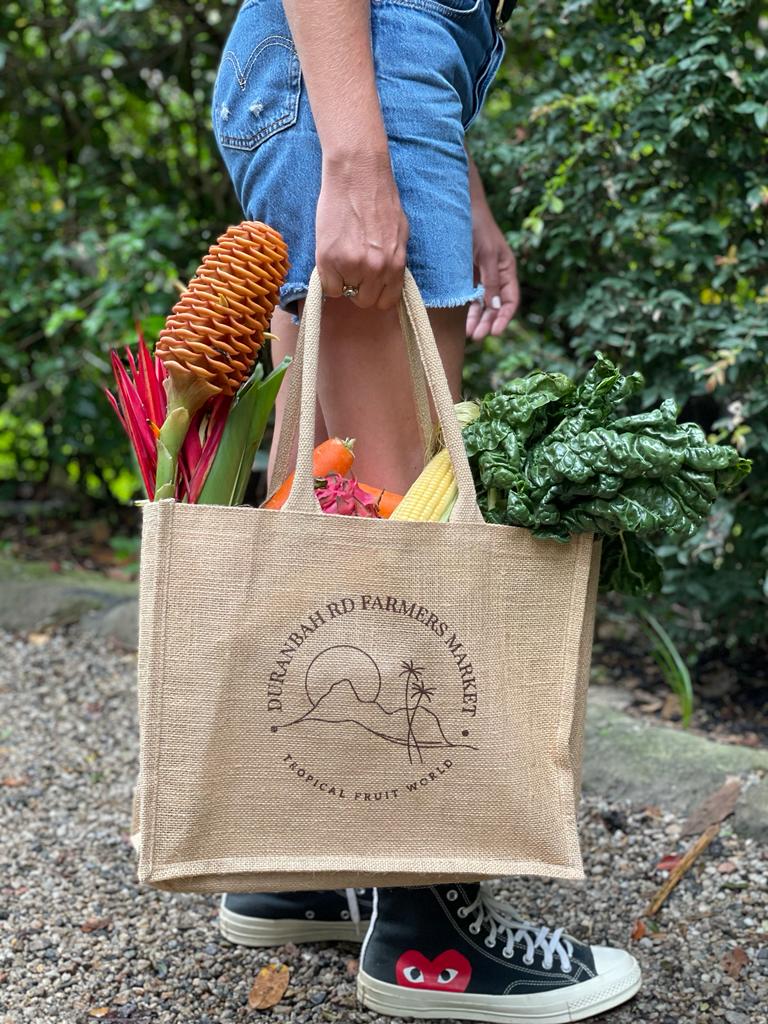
(449, 972)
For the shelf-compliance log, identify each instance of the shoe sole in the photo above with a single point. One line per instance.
(558, 1006)
(264, 931)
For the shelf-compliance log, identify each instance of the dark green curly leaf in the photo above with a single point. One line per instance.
(559, 459)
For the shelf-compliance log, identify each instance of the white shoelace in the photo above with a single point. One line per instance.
(498, 919)
(354, 906)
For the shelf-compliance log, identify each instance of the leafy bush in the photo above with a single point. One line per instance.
(113, 189)
(625, 151)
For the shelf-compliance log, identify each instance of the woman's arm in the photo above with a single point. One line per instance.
(361, 228)
(495, 266)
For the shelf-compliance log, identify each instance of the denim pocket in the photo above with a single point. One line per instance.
(487, 75)
(258, 83)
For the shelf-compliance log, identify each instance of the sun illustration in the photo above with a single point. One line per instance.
(343, 662)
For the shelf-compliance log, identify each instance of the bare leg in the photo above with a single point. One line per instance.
(284, 344)
(365, 387)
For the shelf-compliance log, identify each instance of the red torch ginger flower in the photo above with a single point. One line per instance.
(141, 405)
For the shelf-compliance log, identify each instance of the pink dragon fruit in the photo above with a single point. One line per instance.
(342, 496)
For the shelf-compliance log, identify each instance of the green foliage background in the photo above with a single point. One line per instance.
(624, 150)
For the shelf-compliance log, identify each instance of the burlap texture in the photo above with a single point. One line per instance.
(328, 701)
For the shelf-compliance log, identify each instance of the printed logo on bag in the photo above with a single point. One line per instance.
(378, 698)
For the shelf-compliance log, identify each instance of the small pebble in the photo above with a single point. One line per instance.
(736, 1017)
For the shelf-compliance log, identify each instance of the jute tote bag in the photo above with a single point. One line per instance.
(330, 701)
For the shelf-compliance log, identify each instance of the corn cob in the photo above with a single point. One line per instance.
(433, 492)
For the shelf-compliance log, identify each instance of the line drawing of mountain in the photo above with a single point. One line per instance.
(354, 698)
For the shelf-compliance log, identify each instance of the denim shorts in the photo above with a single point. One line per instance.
(434, 62)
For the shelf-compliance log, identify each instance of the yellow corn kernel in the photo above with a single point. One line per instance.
(432, 493)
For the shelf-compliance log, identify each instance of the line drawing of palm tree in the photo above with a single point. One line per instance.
(421, 692)
(414, 675)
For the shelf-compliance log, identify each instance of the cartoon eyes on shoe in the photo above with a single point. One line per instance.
(446, 976)
(309, 914)
(449, 971)
(452, 895)
(345, 915)
(414, 975)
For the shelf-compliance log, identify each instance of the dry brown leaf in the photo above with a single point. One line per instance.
(268, 987)
(671, 708)
(98, 1011)
(352, 967)
(734, 962)
(651, 811)
(95, 924)
(38, 639)
(714, 809)
(638, 932)
(749, 739)
(650, 707)
(13, 780)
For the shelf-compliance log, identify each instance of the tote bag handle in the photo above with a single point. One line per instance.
(425, 362)
(284, 456)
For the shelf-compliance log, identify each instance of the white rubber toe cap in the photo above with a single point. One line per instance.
(614, 961)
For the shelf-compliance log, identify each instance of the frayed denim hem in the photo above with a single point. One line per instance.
(474, 296)
(290, 295)
(295, 292)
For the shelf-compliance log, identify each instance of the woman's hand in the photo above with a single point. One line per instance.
(495, 267)
(361, 230)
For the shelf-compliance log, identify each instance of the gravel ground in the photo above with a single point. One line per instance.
(82, 942)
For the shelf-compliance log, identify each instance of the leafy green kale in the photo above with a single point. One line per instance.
(556, 457)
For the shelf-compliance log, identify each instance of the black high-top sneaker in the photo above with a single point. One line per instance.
(454, 952)
(273, 918)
